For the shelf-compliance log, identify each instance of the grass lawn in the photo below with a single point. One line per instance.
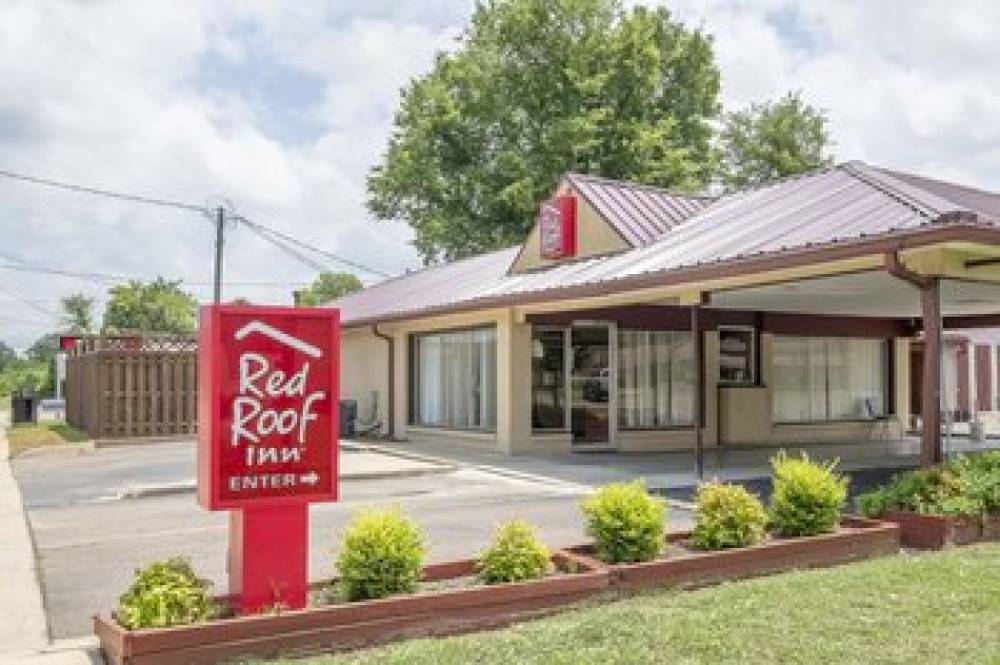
(26, 435)
(927, 608)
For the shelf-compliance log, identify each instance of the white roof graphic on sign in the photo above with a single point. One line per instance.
(279, 336)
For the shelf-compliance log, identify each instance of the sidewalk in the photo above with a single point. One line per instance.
(670, 470)
(24, 637)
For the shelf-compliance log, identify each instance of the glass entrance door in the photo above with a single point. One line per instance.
(592, 386)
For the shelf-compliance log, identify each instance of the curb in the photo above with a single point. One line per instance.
(191, 485)
(495, 470)
(70, 449)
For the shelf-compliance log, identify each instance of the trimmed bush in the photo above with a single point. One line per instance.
(806, 497)
(382, 554)
(625, 522)
(967, 486)
(726, 516)
(166, 593)
(515, 554)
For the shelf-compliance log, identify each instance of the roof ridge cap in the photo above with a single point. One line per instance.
(896, 190)
(571, 175)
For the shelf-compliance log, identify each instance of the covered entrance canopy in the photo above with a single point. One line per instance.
(665, 308)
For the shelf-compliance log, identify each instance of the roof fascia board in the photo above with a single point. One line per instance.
(704, 276)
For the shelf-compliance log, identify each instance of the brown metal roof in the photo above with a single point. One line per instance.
(850, 204)
(640, 213)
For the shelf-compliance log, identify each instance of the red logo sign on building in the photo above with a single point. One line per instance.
(268, 416)
(557, 227)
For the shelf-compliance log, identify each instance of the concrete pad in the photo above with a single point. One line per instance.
(23, 627)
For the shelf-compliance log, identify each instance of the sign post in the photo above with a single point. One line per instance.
(268, 434)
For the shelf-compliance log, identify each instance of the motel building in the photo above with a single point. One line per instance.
(818, 309)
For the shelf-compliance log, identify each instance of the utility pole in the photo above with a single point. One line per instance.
(220, 221)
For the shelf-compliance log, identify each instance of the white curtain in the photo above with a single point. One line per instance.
(655, 378)
(456, 379)
(827, 378)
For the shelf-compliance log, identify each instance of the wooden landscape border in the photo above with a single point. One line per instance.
(935, 532)
(351, 625)
(856, 539)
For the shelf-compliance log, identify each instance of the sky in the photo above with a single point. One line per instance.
(279, 109)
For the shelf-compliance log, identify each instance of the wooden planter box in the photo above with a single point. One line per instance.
(856, 539)
(350, 625)
(991, 527)
(934, 532)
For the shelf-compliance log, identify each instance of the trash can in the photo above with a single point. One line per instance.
(22, 408)
(348, 418)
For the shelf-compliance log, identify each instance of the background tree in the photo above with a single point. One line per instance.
(773, 140)
(44, 348)
(78, 314)
(156, 306)
(329, 286)
(537, 88)
(7, 355)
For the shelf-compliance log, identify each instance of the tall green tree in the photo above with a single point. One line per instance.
(7, 355)
(329, 286)
(156, 306)
(78, 313)
(773, 140)
(534, 89)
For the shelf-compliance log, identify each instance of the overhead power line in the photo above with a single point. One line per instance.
(287, 243)
(106, 193)
(307, 246)
(106, 278)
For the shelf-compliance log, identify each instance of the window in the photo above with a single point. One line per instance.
(828, 378)
(454, 379)
(655, 378)
(548, 379)
(736, 355)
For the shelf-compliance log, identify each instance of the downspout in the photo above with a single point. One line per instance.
(930, 304)
(391, 380)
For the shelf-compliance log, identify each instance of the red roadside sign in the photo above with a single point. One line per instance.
(267, 438)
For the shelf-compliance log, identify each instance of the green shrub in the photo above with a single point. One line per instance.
(166, 593)
(932, 491)
(727, 516)
(515, 554)
(382, 554)
(979, 480)
(625, 522)
(806, 498)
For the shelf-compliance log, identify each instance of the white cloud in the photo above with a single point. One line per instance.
(283, 106)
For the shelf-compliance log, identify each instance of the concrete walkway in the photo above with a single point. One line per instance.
(672, 470)
(24, 637)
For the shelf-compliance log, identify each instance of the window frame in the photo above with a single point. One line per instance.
(751, 356)
(888, 409)
(413, 377)
(672, 427)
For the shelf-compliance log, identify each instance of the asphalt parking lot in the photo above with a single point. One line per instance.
(89, 539)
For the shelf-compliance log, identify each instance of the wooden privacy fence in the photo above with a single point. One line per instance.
(132, 386)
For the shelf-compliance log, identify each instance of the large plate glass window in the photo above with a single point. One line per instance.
(454, 379)
(829, 378)
(655, 379)
(548, 379)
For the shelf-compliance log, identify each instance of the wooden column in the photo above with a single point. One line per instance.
(930, 409)
(930, 311)
(699, 389)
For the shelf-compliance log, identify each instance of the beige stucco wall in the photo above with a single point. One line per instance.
(364, 375)
(593, 236)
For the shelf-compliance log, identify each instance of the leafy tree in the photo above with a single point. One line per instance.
(329, 286)
(32, 376)
(773, 140)
(7, 355)
(537, 88)
(44, 348)
(78, 314)
(156, 306)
